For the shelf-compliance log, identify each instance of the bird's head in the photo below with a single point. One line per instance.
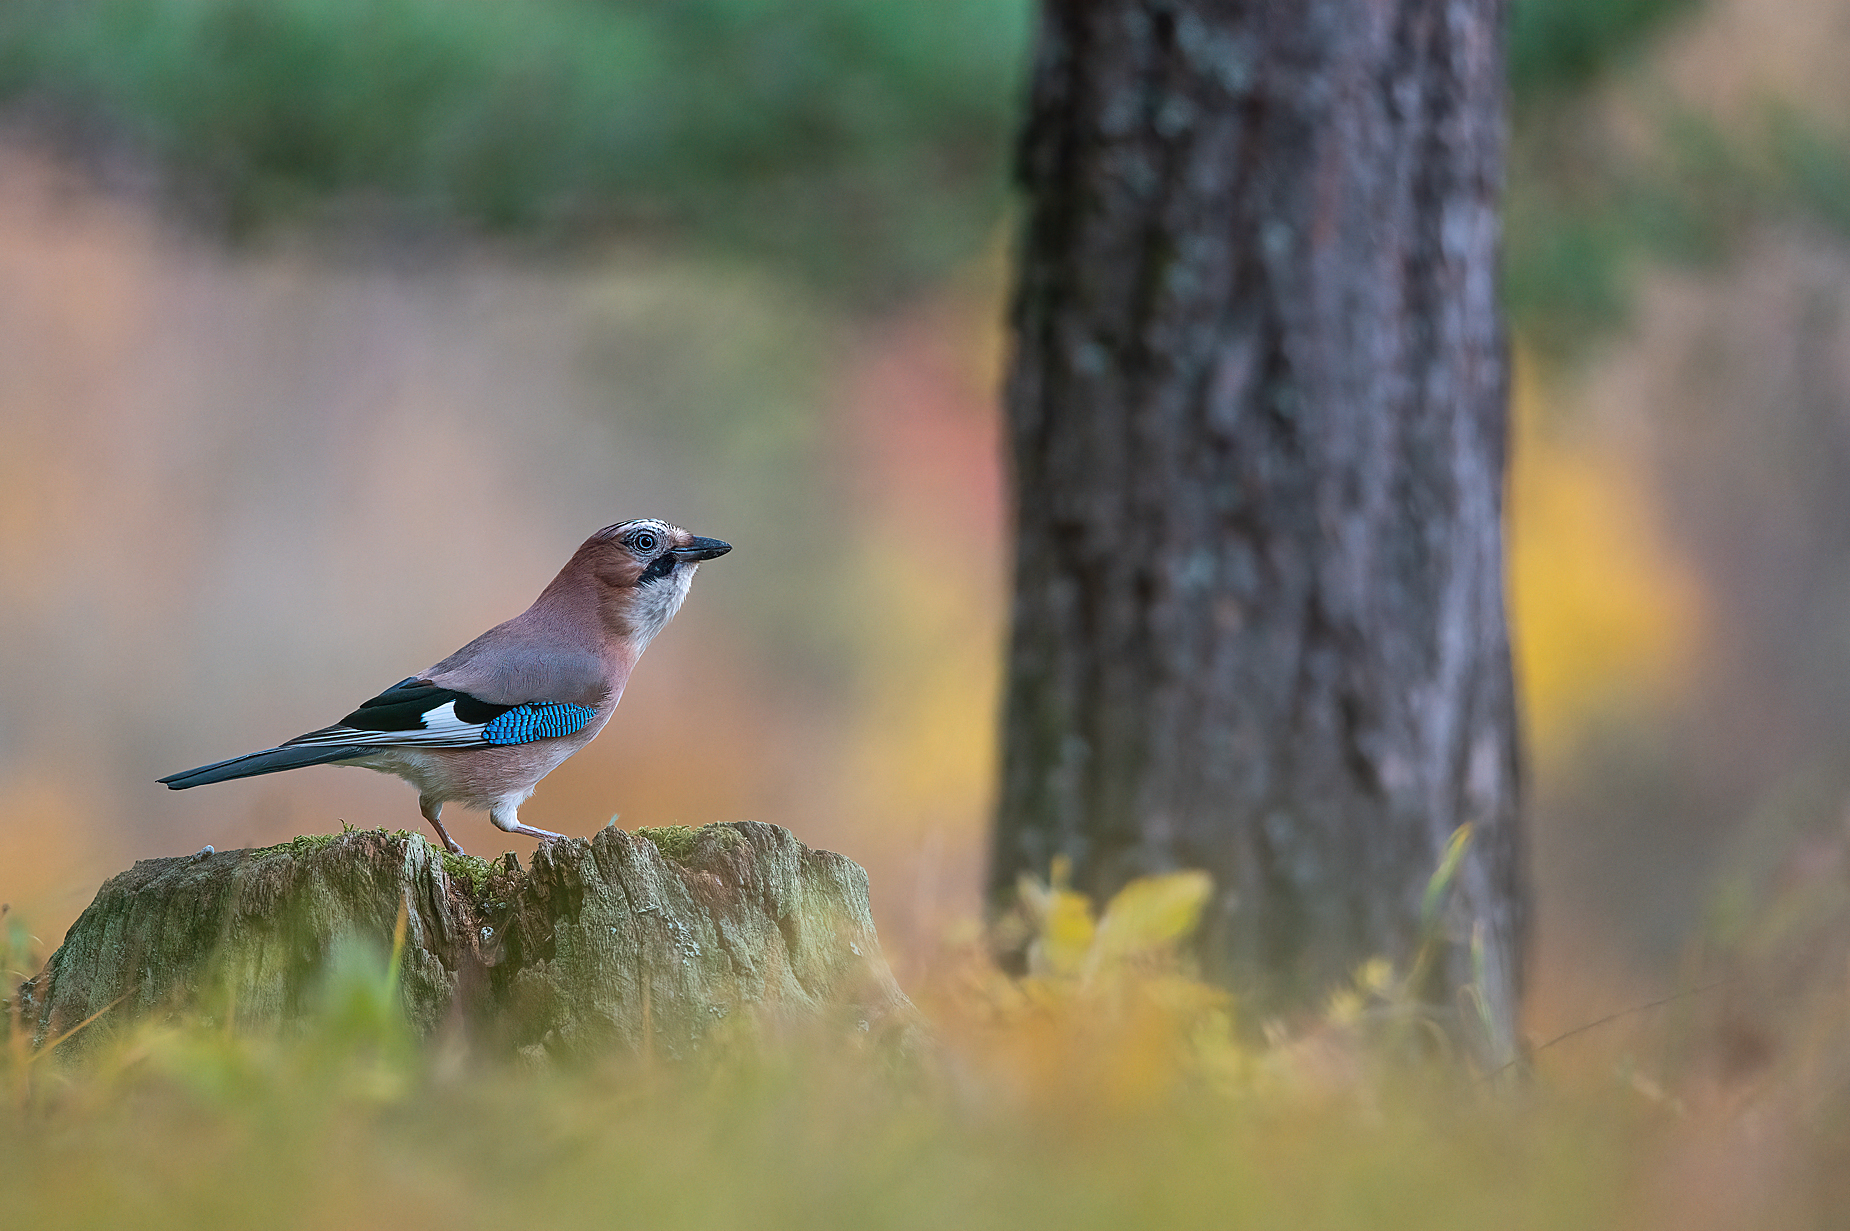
(642, 570)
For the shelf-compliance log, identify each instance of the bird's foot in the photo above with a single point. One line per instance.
(449, 844)
(504, 817)
(544, 835)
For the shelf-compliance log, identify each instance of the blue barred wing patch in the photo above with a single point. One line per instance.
(525, 723)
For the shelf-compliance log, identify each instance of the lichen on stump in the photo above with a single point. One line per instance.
(643, 943)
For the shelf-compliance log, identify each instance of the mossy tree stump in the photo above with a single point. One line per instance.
(645, 942)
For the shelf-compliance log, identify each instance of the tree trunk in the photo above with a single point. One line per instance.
(1258, 412)
(623, 942)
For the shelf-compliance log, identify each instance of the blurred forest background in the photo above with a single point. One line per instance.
(330, 327)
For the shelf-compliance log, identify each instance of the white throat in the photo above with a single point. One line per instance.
(656, 603)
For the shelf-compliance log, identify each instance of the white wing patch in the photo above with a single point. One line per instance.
(442, 729)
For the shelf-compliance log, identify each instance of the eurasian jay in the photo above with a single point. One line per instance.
(482, 727)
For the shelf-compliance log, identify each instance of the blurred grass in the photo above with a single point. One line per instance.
(1105, 1089)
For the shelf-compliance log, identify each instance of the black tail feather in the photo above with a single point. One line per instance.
(269, 761)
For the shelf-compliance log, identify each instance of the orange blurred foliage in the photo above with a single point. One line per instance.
(1606, 617)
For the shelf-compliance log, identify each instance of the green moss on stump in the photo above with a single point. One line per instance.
(305, 844)
(681, 843)
(470, 870)
(720, 931)
(675, 842)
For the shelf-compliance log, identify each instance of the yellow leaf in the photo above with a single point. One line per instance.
(1065, 935)
(1375, 975)
(1345, 1007)
(1153, 912)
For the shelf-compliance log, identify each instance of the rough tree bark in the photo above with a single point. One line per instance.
(623, 942)
(1257, 408)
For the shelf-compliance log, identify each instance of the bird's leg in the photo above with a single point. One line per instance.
(506, 818)
(432, 809)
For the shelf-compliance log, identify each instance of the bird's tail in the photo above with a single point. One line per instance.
(269, 761)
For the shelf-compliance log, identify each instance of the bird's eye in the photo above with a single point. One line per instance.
(645, 542)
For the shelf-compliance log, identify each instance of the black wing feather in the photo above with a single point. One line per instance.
(402, 707)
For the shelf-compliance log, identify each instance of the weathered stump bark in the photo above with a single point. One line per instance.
(630, 942)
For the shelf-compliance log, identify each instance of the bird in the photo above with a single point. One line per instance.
(483, 726)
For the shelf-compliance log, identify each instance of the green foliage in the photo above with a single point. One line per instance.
(1579, 212)
(1564, 267)
(1811, 166)
(798, 125)
(1560, 46)
(1586, 207)
(1582, 215)
(860, 141)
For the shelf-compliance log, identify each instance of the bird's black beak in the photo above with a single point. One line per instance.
(702, 549)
